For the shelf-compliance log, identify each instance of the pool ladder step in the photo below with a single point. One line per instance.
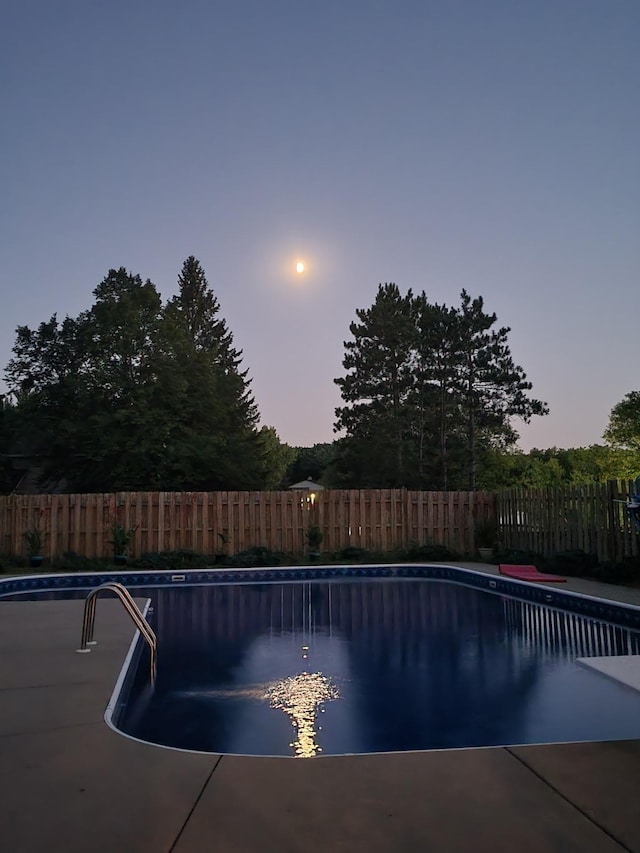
(132, 609)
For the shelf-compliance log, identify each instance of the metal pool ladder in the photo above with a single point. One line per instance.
(132, 609)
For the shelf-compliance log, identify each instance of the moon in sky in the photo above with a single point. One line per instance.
(299, 267)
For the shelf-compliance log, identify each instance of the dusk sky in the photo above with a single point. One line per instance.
(490, 145)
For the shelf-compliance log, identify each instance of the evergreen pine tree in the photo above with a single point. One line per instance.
(376, 389)
(219, 415)
(492, 388)
(436, 361)
(429, 389)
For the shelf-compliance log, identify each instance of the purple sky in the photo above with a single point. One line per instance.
(485, 144)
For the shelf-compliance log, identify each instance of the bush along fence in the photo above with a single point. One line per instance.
(225, 523)
(590, 518)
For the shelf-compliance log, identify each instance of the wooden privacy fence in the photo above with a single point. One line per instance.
(228, 522)
(590, 518)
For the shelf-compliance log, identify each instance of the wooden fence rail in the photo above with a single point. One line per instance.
(228, 522)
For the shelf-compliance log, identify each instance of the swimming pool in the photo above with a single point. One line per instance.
(384, 665)
(351, 662)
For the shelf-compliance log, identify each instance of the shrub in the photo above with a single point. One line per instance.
(253, 557)
(572, 563)
(624, 572)
(485, 533)
(180, 559)
(121, 536)
(72, 562)
(11, 565)
(518, 557)
(428, 553)
(33, 538)
(352, 552)
(314, 537)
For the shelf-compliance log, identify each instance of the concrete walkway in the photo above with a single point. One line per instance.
(69, 783)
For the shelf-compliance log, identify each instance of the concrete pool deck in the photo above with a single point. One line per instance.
(69, 783)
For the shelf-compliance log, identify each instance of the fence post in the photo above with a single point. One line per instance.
(613, 514)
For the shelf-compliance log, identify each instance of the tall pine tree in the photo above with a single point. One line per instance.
(376, 389)
(491, 386)
(436, 361)
(218, 412)
(428, 387)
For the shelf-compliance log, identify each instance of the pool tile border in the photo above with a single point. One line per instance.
(625, 615)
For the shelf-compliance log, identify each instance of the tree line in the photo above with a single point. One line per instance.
(497, 469)
(134, 394)
(137, 394)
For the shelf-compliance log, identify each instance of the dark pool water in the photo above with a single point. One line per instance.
(372, 666)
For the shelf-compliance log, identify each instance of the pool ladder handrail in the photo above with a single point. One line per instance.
(132, 609)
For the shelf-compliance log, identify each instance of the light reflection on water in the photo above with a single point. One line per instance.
(300, 696)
